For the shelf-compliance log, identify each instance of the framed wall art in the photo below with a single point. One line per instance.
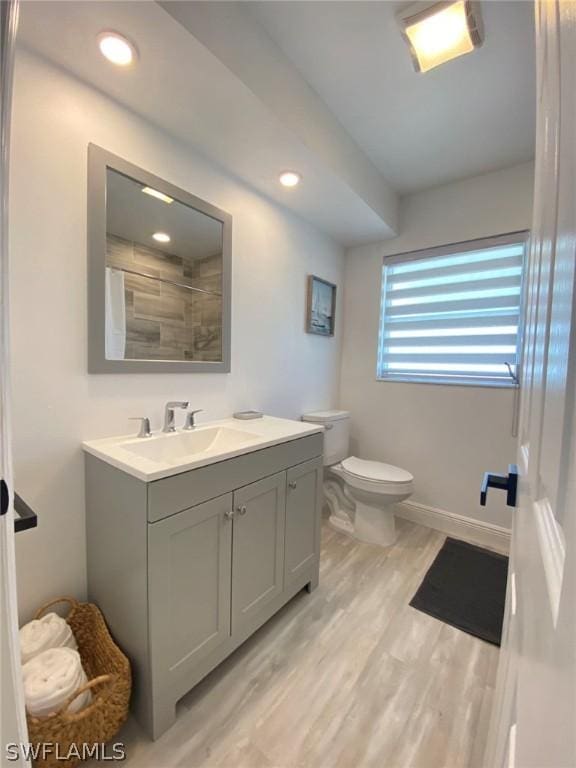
(320, 306)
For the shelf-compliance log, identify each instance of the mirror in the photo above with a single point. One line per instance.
(159, 273)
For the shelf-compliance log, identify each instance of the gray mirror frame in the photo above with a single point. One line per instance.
(98, 161)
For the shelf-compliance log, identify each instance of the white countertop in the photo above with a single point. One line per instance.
(163, 455)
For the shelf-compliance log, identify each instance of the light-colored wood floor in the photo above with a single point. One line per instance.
(347, 677)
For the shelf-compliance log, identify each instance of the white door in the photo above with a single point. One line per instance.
(534, 717)
(12, 717)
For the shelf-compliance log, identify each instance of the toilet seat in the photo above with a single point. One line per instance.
(399, 482)
(376, 471)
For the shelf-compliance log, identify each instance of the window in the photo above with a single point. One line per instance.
(451, 315)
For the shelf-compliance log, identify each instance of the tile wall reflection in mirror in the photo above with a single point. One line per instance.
(163, 276)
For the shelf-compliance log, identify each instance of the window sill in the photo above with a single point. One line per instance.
(450, 382)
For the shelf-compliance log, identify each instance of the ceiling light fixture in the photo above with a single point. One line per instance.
(161, 237)
(290, 178)
(160, 195)
(116, 48)
(441, 31)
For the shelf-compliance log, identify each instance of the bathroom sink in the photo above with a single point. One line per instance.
(177, 446)
(163, 455)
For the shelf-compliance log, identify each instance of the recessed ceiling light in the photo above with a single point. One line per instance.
(161, 237)
(155, 193)
(289, 178)
(441, 31)
(116, 48)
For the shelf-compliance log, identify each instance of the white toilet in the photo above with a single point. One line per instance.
(360, 494)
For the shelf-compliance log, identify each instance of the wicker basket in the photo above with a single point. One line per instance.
(108, 672)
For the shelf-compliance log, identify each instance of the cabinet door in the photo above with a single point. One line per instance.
(302, 548)
(258, 552)
(190, 557)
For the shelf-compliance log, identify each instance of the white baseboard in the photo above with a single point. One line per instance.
(466, 528)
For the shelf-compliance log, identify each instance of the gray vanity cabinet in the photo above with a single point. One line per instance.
(187, 567)
(303, 497)
(189, 563)
(258, 553)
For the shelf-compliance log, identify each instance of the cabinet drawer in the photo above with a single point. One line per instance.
(173, 494)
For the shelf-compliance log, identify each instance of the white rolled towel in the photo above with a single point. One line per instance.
(51, 678)
(51, 631)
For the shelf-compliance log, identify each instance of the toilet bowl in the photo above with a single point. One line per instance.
(360, 494)
(375, 488)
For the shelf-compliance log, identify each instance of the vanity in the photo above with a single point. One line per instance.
(195, 539)
(196, 536)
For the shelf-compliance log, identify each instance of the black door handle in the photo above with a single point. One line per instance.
(25, 518)
(508, 483)
(4, 497)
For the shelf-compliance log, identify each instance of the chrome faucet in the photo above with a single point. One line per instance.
(190, 424)
(169, 414)
(145, 430)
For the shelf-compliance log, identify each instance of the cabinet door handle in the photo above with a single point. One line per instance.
(292, 484)
(229, 514)
(241, 510)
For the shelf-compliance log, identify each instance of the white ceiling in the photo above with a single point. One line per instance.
(472, 115)
(180, 85)
(326, 88)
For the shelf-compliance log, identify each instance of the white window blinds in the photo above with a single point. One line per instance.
(452, 315)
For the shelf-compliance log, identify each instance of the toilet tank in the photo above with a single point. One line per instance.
(336, 435)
